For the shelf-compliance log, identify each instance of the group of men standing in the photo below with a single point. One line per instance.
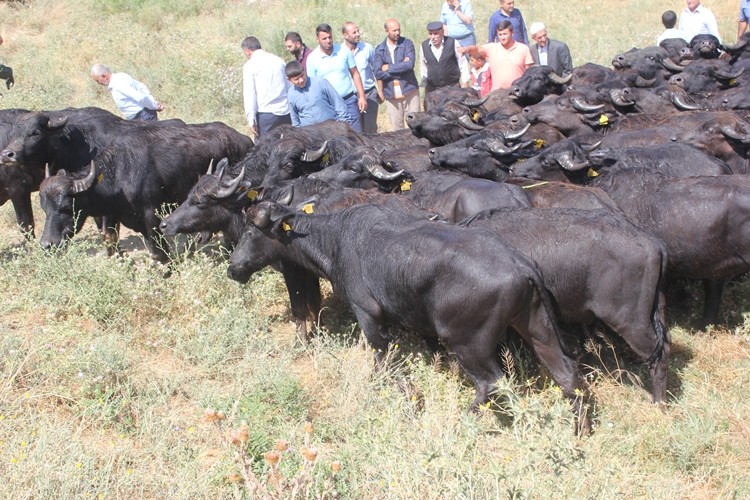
(349, 81)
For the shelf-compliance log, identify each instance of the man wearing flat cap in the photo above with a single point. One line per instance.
(548, 52)
(442, 65)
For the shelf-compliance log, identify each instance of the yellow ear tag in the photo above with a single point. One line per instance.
(539, 143)
(285, 226)
(325, 158)
(308, 208)
(252, 194)
(475, 116)
(405, 186)
(100, 177)
(603, 120)
(592, 173)
(732, 81)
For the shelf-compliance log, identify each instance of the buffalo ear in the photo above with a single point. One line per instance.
(258, 215)
(219, 167)
(284, 225)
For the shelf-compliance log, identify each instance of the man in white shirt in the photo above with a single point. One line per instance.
(698, 20)
(132, 98)
(264, 89)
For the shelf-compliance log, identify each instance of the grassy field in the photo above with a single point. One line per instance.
(116, 382)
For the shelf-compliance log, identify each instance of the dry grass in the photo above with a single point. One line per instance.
(106, 368)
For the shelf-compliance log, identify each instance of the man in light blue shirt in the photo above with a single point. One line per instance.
(313, 100)
(336, 64)
(744, 17)
(457, 17)
(363, 55)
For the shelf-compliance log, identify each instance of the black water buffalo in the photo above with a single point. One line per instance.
(401, 286)
(131, 179)
(537, 82)
(567, 160)
(448, 123)
(485, 154)
(706, 76)
(597, 266)
(640, 66)
(703, 46)
(68, 139)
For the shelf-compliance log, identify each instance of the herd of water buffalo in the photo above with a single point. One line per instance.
(561, 201)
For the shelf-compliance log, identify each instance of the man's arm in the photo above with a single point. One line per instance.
(742, 27)
(335, 100)
(361, 99)
(377, 65)
(463, 64)
(713, 27)
(422, 66)
(249, 97)
(493, 29)
(565, 60)
(408, 62)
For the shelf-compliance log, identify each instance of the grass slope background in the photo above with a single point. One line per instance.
(107, 368)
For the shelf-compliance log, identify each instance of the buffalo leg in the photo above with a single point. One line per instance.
(297, 280)
(538, 329)
(713, 290)
(24, 215)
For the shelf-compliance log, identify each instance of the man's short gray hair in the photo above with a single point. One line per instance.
(100, 69)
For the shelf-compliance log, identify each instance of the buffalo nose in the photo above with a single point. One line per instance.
(163, 226)
(677, 80)
(431, 152)
(526, 111)
(9, 154)
(410, 116)
(516, 90)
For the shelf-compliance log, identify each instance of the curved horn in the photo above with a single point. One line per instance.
(671, 65)
(512, 135)
(221, 166)
(230, 188)
(465, 122)
(378, 172)
(287, 195)
(723, 75)
(475, 102)
(618, 99)
(644, 82)
(560, 80)
(567, 164)
(46, 171)
(210, 167)
(585, 107)
(315, 155)
(681, 104)
(81, 185)
(737, 46)
(499, 148)
(733, 134)
(590, 147)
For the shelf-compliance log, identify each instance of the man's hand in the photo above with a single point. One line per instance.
(362, 104)
(384, 67)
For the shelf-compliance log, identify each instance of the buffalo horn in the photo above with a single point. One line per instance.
(81, 185)
(644, 82)
(671, 65)
(733, 134)
(465, 121)
(512, 135)
(566, 163)
(737, 46)
(315, 155)
(210, 167)
(591, 147)
(723, 75)
(499, 148)
(229, 189)
(681, 104)
(475, 103)
(560, 80)
(46, 171)
(585, 107)
(378, 172)
(618, 99)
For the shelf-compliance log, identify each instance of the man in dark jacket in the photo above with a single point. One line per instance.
(441, 64)
(548, 52)
(394, 65)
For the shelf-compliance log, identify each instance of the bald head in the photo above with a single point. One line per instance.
(392, 30)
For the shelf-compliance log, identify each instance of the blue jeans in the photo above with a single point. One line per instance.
(353, 107)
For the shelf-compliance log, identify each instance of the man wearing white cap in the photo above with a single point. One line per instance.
(548, 52)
